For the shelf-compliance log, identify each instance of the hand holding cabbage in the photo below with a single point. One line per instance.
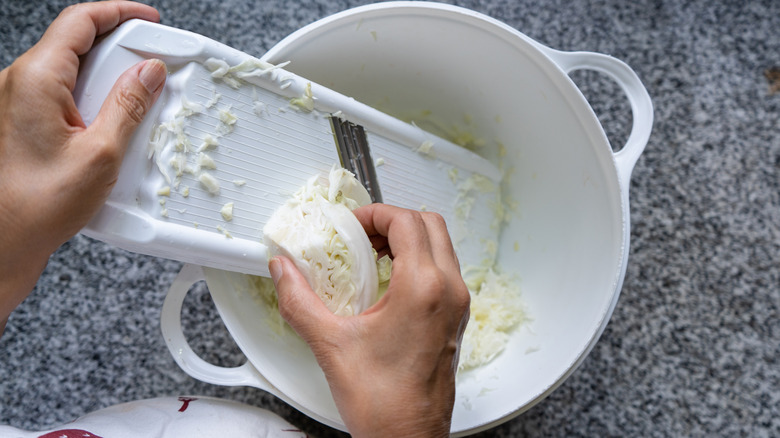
(316, 229)
(391, 368)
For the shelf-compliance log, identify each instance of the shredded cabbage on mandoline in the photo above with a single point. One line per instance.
(317, 230)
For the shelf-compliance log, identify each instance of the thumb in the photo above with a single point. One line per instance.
(298, 304)
(129, 100)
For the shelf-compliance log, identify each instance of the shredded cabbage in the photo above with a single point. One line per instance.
(306, 101)
(210, 183)
(263, 291)
(227, 211)
(496, 309)
(317, 230)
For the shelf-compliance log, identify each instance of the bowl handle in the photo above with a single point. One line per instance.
(638, 97)
(185, 357)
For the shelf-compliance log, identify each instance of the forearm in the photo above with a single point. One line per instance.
(26, 247)
(18, 276)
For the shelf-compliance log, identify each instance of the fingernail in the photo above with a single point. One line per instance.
(275, 266)
(153, 74)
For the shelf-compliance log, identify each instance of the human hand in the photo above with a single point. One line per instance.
(392, 368)
(55, 173)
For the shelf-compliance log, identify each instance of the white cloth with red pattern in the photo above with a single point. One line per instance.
(170, 417)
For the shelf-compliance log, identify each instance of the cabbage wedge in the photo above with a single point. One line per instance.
(317, 230)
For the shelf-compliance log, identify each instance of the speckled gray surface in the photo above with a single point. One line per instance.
(693, 346)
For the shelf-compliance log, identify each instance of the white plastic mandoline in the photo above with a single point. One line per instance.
(270, 151)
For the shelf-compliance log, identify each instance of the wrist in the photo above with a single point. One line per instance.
(392, 429)
(389, 417)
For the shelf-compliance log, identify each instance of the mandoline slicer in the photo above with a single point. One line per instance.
(231, 138)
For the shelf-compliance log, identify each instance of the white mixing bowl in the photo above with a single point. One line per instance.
(567, 242)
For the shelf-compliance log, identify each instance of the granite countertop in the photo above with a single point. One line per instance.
(693, 345)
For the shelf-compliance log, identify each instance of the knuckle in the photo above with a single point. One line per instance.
(462, 296)
(287, 306)
(74, 9)
(132, 104)
(434, 218)
(105, 154)
(409, 217)
(20, 75)
(13, 73)
(433, 290)
(291, 308)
